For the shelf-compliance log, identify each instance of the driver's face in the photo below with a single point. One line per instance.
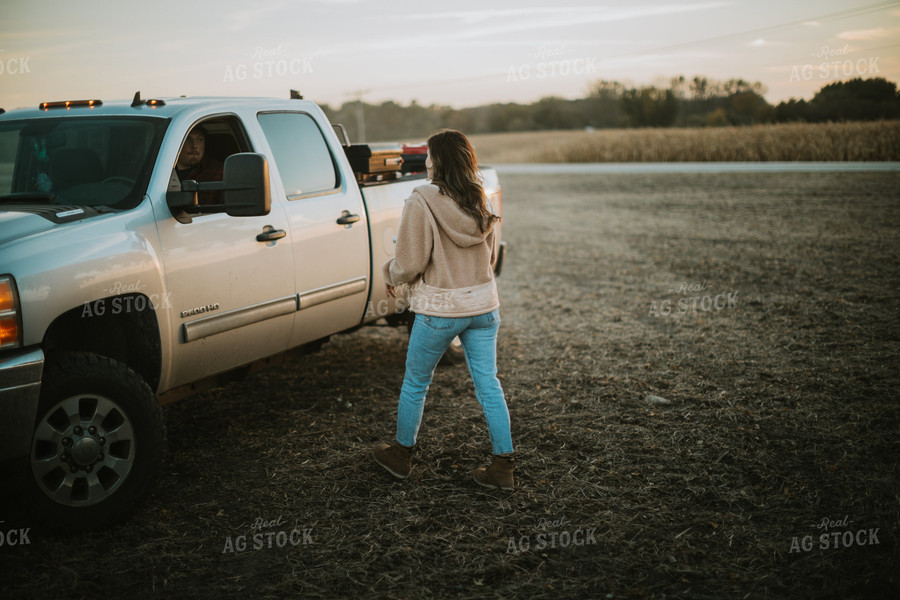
(192, 152)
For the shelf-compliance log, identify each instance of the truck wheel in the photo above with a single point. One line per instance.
(98, 442)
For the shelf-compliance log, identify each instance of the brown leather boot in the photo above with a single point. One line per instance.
(394, 457)
(499, 474)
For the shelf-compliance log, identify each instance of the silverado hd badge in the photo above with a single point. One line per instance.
(199, 310)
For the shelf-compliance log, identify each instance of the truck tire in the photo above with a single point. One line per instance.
(98, 441)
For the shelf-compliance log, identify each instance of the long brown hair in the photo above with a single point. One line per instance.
(455, 173)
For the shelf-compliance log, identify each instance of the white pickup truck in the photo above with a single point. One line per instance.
(119, 291)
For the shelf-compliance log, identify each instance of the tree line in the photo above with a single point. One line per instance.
(698, 102)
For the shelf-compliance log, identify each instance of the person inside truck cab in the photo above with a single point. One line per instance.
(194, 163)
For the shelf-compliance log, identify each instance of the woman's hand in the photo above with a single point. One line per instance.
(389, 289)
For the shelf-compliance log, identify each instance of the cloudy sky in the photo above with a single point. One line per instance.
(460, 53)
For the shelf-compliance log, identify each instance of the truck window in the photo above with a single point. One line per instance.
(203, 152)
(223, 136)
(301, 154)
(83, 161)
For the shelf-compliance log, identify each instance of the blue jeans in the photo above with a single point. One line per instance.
(429, 339)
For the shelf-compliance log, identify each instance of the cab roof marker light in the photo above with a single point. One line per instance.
(150, 102)
(70, 104)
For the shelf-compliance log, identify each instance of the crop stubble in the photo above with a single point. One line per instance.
(782, 411)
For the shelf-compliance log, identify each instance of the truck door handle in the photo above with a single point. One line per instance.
(270, 235)
(346, 218)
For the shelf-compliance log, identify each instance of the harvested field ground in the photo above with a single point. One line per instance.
(781, 414)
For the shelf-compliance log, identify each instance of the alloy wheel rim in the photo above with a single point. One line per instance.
(83, 450)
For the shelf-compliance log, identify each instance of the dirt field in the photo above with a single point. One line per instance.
(702, 374)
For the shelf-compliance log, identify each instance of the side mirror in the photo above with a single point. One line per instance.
(247, 191)
(245, 187)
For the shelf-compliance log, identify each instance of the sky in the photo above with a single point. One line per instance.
(461, 53)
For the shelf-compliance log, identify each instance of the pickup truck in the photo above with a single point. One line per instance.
(121, 291)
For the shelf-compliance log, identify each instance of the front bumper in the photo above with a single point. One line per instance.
(20, 388)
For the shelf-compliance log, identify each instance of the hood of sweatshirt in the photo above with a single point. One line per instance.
(460, 226)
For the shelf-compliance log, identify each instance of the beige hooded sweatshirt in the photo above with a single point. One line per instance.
(441, 253)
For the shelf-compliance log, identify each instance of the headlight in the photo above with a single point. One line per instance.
(10, 330)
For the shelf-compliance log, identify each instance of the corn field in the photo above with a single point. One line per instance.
(857, 141)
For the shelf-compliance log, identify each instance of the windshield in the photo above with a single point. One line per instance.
(80, 161)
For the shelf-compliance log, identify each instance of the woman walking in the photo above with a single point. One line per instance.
(446, 250)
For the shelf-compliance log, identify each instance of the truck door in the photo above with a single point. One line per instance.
(231, 288)
(328, 227)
